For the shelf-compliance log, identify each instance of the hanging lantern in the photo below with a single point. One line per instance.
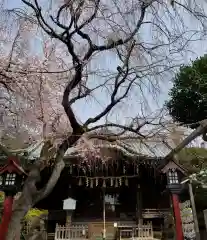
(126, 182)
(96, 182)
(80, 182)
(91, 183)
(116, 182)
(111, 182)
(104, 183)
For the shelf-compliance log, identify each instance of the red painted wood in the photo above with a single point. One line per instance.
(6, 217)
(177, 215)
(12, 167)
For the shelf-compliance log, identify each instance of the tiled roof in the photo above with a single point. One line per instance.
(157, 147)
(150, 148)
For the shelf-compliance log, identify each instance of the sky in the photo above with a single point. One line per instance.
(84, 110)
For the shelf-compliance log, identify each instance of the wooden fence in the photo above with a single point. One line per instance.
(80, 232)
(144, 232)
(77, 232)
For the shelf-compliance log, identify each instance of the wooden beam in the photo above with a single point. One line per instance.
(197, 132)
(139, 205)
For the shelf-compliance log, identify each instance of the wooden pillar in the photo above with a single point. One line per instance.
(192, 200)
(104, 216)
(68, 217)
(177, 215)
(139, 205)
(7, 213)
(205, 217)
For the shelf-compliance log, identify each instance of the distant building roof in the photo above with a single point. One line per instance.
(154, 147)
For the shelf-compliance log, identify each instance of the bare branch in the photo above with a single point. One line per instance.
(65, 102)
(44, 25)
(119, 126)
(121, 78)
(5, 150)
(129, 38)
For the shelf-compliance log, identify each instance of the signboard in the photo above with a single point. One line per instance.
(187, 221)
(69, 204)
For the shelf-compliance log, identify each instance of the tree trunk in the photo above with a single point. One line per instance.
(15, 224)
(37, 229)
(30, 196)
(24, 203)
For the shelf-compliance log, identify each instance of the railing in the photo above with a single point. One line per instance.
(154, 213)
(80, 232)
(77, 232)
(144, 232)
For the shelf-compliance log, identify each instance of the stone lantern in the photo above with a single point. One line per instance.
(12, 176)
(174, 174)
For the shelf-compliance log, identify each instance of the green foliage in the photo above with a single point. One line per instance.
(200, 195)
(1, 197)
(1, 203)
(32, 219)
(34, 212)
(193, 159)
(188, 96)
(202, 176)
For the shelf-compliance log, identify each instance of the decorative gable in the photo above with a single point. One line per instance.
(13, 167)
(172, 166)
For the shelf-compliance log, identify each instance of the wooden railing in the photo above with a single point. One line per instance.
(154, 213)
(71, 232)
(143, 232)
(80, 232)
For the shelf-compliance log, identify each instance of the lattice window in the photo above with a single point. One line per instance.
(173, 177)
(10, 179)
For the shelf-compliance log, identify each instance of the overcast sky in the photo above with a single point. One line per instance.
(110, 62)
